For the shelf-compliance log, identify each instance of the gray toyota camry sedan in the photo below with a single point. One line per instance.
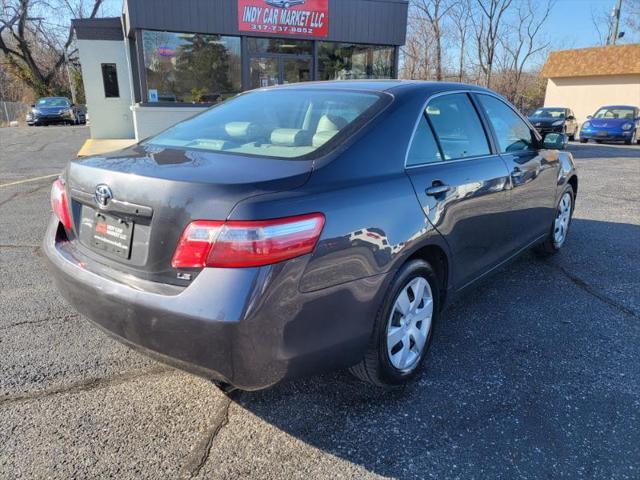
(308, 227)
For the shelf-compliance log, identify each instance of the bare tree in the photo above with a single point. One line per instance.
(36, 41)
(434, 12)
(522, 41)
(488, 26)
(418, 50)
(460, 16)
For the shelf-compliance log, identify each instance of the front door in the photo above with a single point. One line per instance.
(269, 70)
(533, 172)
(463, 187)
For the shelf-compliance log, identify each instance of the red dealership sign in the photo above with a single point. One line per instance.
(284, 17)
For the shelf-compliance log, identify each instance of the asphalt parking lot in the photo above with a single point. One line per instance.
(536, 374)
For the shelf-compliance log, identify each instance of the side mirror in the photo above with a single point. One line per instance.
(589, 117)
(555, 141)
(571, 117)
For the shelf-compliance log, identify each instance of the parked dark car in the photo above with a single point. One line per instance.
(309, 227)
(555, 120)
(615, 123)
(50, 110)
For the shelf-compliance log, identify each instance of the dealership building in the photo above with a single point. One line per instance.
(164, 60)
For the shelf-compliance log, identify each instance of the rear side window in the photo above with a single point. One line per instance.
(110, 80)
(457, 126)
(424, 148)
(282, 123)
(512, 133)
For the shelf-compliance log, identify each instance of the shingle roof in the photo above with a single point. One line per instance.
(586, 62)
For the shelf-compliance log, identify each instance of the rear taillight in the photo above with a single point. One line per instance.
(247, 243)
(59, 203)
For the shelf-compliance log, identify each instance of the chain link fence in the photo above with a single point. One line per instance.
(13, 111)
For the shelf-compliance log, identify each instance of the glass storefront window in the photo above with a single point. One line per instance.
(279, 45)
(191, 68)
(345, 61)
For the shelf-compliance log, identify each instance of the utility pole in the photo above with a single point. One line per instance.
(72, 86)
(616, 24)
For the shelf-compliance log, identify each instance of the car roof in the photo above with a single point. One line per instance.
(388, 85)
(619, 106)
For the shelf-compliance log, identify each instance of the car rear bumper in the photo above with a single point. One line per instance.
(250, 327)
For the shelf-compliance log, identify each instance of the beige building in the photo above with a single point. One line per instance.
(588, 78)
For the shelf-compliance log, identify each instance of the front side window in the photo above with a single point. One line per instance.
(457, 126)
(348, 61)
(512, 133)
(287, 123)
(191, 68)
(110, 80)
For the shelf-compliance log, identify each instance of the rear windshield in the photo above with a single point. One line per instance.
(284, 123)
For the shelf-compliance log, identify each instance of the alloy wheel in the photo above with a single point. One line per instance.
(409, 324)
(563, 217)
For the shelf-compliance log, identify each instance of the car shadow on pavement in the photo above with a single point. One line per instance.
(530, 375)
(603, 151)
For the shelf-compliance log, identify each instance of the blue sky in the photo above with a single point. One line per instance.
(571, 26)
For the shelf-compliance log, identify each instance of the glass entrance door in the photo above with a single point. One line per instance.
(265, 71)
(296, 70)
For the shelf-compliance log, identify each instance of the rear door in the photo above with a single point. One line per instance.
(462, 185)
(533, 171)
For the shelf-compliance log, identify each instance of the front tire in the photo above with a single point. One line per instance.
(561, 223)
(403, 327)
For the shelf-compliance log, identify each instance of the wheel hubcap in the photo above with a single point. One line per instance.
(563, 216)
(409, 324)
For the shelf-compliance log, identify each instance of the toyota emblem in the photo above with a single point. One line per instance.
(103, 195)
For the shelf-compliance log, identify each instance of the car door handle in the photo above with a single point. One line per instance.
(437, 190)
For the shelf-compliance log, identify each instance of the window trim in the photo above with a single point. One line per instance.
(488, 133)
(104, 79)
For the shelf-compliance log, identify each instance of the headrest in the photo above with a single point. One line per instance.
(246, 131)
(290, 137)
(321, 138)
(331, 123)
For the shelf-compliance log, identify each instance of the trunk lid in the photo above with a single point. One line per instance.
(150, 194)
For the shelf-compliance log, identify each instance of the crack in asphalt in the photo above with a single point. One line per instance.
(19, 246)
(43, 320)
(193, 467)
(594, 293)
(22, 194)
(83, 385)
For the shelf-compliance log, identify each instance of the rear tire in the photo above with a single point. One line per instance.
(559, 230)
(584, 140)
(403, 327)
